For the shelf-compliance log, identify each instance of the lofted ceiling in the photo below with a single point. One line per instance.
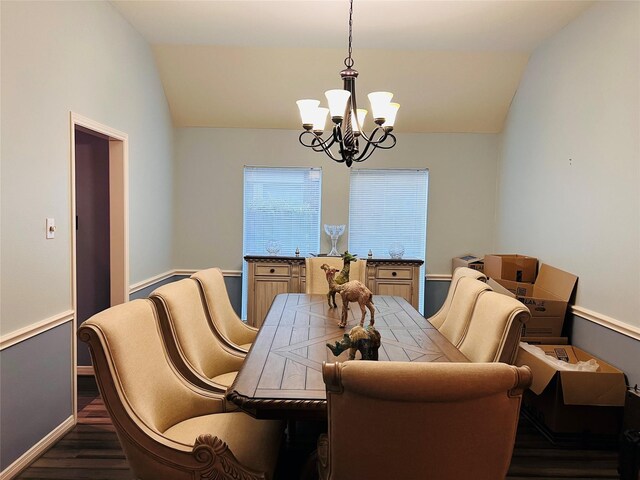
(454, 66)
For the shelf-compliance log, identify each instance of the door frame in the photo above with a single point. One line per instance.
(118, 228)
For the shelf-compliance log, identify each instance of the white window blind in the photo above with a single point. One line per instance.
(389, 206)
(281, 204)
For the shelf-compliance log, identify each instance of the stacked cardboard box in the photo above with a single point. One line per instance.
(516, 268)
(469, 261)
(547, 299)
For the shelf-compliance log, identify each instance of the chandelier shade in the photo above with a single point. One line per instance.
(348, 132)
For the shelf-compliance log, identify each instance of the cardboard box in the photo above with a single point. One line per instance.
(545, 340)
(517, 268)
(574, 401)
(547, 299)
(469, 261)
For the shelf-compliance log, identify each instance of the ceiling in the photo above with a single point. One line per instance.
(454, 66)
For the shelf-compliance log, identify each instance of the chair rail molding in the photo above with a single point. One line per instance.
(34, 329)
(438, 277)
(38, 449)
(608, 322)
(150, 281)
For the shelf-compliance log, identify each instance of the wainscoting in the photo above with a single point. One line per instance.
(33, 409)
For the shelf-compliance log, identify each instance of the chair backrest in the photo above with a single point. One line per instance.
(494, 329)
(438, 318)
(221, 313)
(191, 340)
(440, 421)
(422, 420)
(139, 386)
(316, 279)
(462, 304)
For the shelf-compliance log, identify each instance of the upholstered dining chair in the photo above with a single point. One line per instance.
(194, 345)
(494, 329)
(463, 302)
(168, 427)
(420, 420)
(316, 279)
(438, 318)
(233, 331)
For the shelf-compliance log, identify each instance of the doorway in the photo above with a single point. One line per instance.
(93, 271)
(100, 261)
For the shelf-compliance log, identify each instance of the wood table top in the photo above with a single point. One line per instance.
(282, 374)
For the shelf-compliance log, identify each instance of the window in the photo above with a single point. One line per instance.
(388, 207)
(282, 205)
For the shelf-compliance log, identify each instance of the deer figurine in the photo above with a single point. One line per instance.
(353, 291)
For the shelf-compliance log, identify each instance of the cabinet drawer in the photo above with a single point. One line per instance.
(399, 273)
(273, 270)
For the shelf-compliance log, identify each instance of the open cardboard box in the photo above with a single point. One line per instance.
(547, 299)
(469, 261)
(574, 401)
(517, 268)
(545, 340)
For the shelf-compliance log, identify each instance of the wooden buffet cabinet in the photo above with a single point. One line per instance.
(270, 276)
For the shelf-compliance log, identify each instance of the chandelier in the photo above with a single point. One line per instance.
(353, 145)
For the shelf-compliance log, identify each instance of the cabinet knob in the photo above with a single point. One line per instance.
(273, 270)
(393, 274)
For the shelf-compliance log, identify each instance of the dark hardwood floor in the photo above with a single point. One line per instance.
(91, 451)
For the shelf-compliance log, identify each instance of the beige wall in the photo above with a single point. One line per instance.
(570, 172)
(84, 57)
(208, 189)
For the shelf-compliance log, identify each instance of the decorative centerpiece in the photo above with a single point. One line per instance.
(272, 247)
(334, 232)
(396, 250)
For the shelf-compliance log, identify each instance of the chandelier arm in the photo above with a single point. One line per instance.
(331, 155)
(372, 136)
(391, 136)
(318, 144)
(363, 157)
(369, 138)
(322, 144)
(363, 154)
(316, 141)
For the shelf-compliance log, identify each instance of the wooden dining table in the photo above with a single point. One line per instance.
(282, 374)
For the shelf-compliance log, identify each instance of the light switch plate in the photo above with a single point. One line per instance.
(51, 228)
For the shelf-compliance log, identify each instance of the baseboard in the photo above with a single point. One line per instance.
(38, 449)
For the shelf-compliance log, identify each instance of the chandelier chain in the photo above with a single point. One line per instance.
(348, 62)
